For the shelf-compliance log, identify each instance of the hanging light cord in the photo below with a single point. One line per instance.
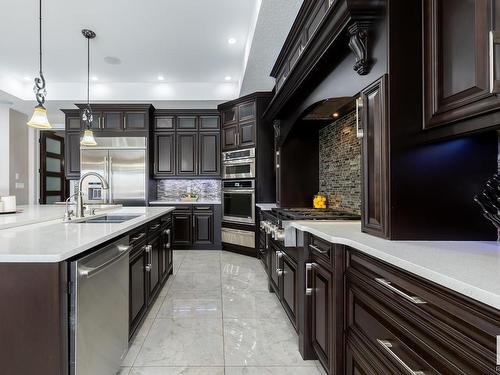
(88, 72)
(40, 25)
(39, 88)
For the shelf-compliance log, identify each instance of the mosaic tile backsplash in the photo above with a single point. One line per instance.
(170, 190)
(340, 164)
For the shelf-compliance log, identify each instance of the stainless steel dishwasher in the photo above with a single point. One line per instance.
(99, 310)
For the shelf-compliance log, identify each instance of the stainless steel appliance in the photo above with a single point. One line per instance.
(99, 310)
(238, 201)
(238, 164)
(122, 162)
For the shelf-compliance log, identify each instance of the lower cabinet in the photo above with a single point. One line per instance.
(196, 227)
(149, 267)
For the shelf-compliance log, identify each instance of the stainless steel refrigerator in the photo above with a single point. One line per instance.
(122, 163)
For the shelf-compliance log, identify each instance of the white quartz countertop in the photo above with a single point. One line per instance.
(266, 206)
(52, 240)
(201, 201)
(31, 214)
(471, 268)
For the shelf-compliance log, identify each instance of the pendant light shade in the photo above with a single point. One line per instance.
(88, 135)
(39, 119)
(88, 138)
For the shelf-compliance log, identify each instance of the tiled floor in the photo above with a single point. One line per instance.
(214, 317)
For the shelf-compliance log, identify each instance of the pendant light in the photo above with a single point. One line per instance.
(88, 135)
(39, 119)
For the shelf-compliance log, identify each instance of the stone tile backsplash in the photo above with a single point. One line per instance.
(173, 189)
(340, 164)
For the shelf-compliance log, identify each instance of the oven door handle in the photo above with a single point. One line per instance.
(239, 161)
(239, 191)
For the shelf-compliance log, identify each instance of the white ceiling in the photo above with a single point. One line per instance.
(186, 41)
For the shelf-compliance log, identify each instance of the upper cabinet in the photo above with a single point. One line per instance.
(461, 50)
(187, 144)
(118, 117)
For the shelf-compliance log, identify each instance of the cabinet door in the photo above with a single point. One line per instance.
(187, 154)
(138, 288)
(187, 123)
(203, 228)
(274, 266)
(209, 154)
(209, 123)
(182, 228)
(229, 134)
(322, 314)
(164, 123)
(247, 134)
(154, 254)
(164, 163)
(165, 253)
(246, 111)
(73, 123)
(230, 116)
(375, 160)
(112, 121)
(72, 155)
(288, 287)
(135, 121)
(456, 60)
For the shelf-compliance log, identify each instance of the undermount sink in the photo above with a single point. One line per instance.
(110, 219)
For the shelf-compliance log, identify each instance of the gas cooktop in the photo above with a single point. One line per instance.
(314, 214)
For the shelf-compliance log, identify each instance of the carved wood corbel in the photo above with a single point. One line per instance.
(358, 42)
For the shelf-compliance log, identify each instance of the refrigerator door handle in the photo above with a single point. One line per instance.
(110, 180)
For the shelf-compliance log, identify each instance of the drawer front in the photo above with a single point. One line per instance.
(204, 208)
(137, 237)
(458, 326)
(322, 251)
(154, 227)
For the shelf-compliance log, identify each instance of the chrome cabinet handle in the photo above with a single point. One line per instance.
(168, 243)
(124, 122)
(316, 248)
(148, 268)
(133, 239)
(494, 39)
(359, 125)
(279, 271)
(413, 299)
(235, 140)
(309, 267)
(387, 345)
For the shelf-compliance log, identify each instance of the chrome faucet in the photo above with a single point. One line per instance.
(79, 199)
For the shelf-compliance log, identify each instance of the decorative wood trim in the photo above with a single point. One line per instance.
(358, 42)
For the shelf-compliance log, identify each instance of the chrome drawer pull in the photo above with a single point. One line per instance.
(388, 285)
(316, 248)
(387, 345)
(309, 267)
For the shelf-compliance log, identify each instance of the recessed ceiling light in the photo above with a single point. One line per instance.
(231, 40)
(336, 114)
(94, 78)
(161, 78)
(227, 78)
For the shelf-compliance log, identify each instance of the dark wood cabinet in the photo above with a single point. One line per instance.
(230, 115)
(182, 227)
(154, 251)
(72, 155)
(203, 226)
(164, 154)
(246, 111)
(166, 257)
(135, 120)
(289, 286)
(185, 123)
(209, 123)
(209, 155)
(229, 137)
(187, 153)
(274, 261)
(164, 123)
(460, 80)
(138, 286)
(375, 160)
(112, 120)
(247, 136)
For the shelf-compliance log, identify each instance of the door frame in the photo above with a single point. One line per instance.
(42, 192)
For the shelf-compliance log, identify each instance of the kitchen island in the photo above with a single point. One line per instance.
(37, 287)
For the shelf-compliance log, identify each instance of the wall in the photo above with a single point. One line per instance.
(205, 189)
(18, 157)
(340, 164)
(4, 150)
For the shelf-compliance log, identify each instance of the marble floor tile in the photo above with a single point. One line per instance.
(192, 304)
(133, 351)
(253, 304)
(123, 371)
(196, 281)
(143, 330)
(156, 307)
(183, 342)
(261, 342)
(296, 370)
(166, 287)
(243, 278)
(177, 371)
(200, 265)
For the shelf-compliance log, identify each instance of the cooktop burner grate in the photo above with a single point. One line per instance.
(314, 214)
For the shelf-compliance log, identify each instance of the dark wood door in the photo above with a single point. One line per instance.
(182, 228)
(322, 314)
(246, 111)
(457, 69)
(138, 288)
(289, 289)
(52, 179)
(274, 264)
(375, 159)
(247, 136)
(164, 255)
(112, 121)
(230, 115)
(209, 163)
(185, 123)
(164, 163)
(135, 120)
(229, 137)
(203, 227)
(187, 153)
(209, 123)
(154, 253)
(164, 123)
(72, 155)
(73, 123)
